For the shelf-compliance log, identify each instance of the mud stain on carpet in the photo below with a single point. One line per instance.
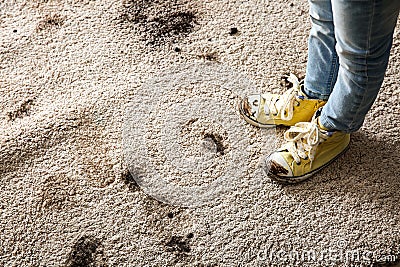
(178, 244)
(213, 56)
(218, 141)
(20, 110)
(87, 251)
(22, 147)
(158, 22)
(129, 177)
(56, 193)
(50, 21)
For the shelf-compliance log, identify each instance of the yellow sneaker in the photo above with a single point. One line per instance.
(309, 148)
(266, 110)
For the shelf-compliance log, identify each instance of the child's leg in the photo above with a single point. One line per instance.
(323, 64)
(364, 33)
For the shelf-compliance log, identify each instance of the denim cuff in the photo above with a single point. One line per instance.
(313, 95)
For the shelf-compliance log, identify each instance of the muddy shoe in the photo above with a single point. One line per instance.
(309, 148)
(266, 110)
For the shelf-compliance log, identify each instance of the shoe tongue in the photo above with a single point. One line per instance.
(325, 130)
(322, 127)
(302, 94)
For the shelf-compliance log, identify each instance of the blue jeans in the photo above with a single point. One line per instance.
(348, 53)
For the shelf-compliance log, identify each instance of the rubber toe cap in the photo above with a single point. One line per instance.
(277, 165)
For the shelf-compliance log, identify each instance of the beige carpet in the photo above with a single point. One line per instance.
(105, 104)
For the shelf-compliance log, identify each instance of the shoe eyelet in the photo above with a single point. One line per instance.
(275, 114)
(297, 104)
(298, 163)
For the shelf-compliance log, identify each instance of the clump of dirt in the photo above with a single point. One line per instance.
(158, 22)
(87, 251)
(233, 31)
(190, 235)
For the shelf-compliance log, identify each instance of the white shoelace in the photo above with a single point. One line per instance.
(284, 104)
(303, 140)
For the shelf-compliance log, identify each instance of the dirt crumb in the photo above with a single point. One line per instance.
(233, 31)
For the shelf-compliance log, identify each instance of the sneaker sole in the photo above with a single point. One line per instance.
(299, 179)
